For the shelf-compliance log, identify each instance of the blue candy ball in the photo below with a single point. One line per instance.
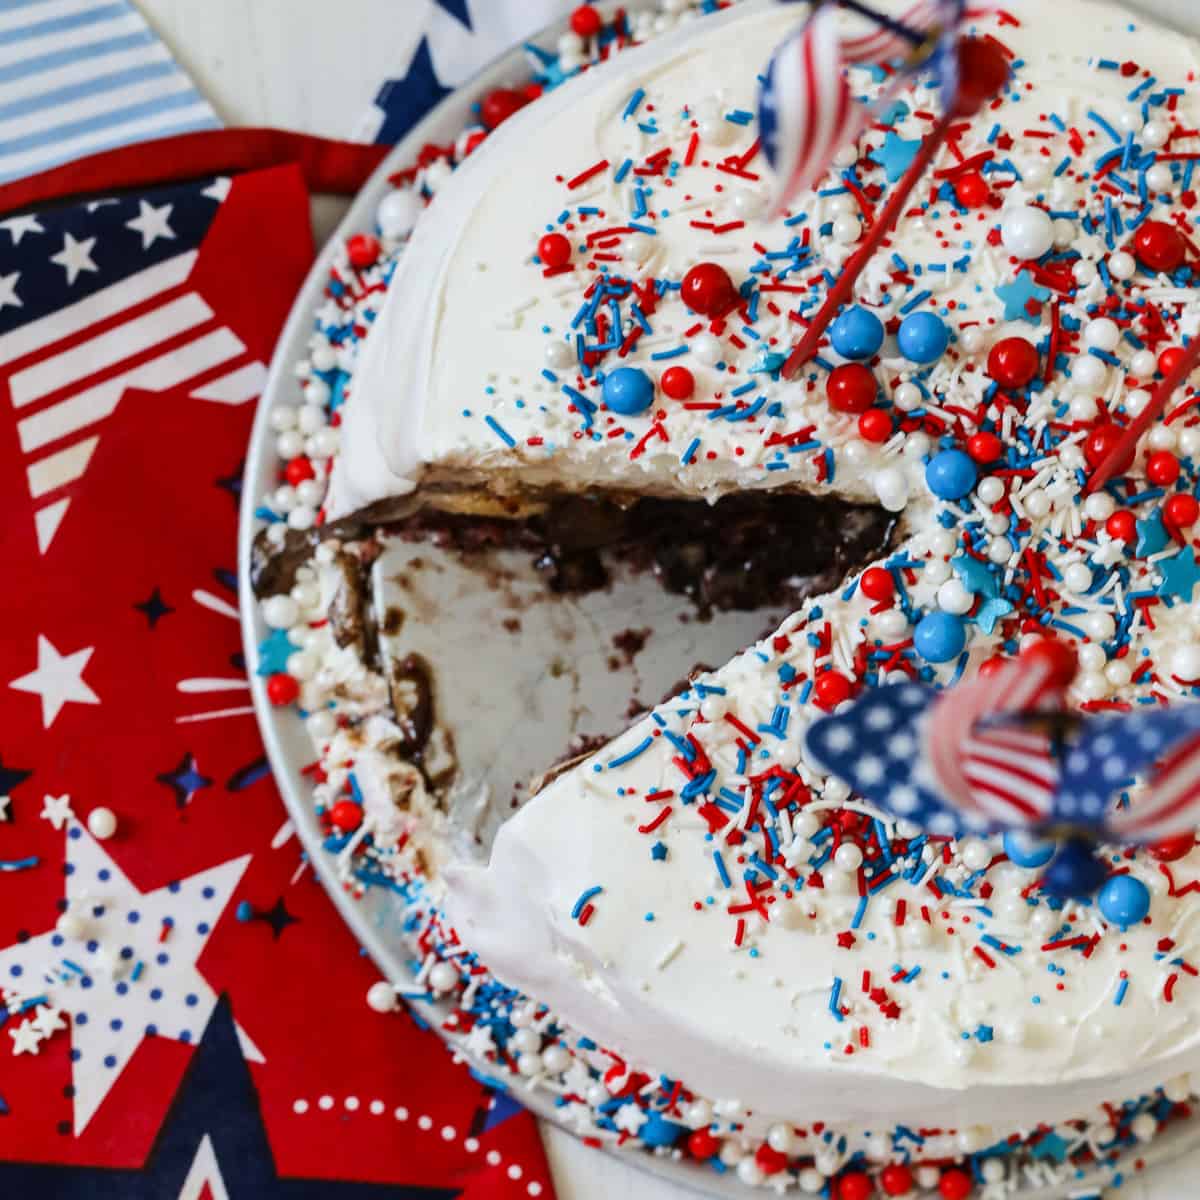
(939, 637)
(656, 1130)
(1124, 900)
(923, 337)
(628, 391)
(950, 474)
(1028, 851)
(857, 333)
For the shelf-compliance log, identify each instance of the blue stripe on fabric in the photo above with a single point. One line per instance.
(208, 121)
(106, 120)
(89, 87)
(91, 16)
(74, 54)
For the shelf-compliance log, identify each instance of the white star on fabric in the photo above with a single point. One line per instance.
(110, 1015)
(75, 257)
(58, 680)
(8, 291)
(904, 798)
(204, 1177)
(48, 1020)
(152, 223)
(26, 1038)
(56, 810)
(5, 801)
(838, 739)
(18, 227)
(880, 718)
(218, 190)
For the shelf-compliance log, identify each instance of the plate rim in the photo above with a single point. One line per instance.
(272, 722)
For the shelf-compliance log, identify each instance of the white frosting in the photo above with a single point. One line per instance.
(466, 313)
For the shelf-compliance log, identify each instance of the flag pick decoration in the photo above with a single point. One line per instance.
(807, 113)
(1001, 753)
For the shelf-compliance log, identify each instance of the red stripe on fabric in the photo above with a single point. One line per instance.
(331, 167)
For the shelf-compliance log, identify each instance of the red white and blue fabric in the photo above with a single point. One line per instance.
(215, 1040)
(81, 76)
(443, 44)
(970, 760)
(805, 107)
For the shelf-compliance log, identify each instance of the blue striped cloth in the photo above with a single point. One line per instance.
(81, 76)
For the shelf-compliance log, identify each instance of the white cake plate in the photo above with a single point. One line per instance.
(590, 694)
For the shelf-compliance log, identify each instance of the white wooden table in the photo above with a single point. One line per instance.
(314, 65)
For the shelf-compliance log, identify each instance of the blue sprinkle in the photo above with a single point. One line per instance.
(582, 901)
(630, 755)
(635, 102)
(500, 432)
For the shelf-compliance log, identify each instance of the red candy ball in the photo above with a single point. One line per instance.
(298, 470)
(1060, 657)
(984, 447)
(972, 190)
(1159, 246)
(703, 1144)
(499, 105)
(554, 250)
(363, 249)
(1101, 442)
(955, 1185)
(1122, 525)
(990, 666)
(585, 21)
(896, 1179)
(854, 1186)
(1182, 511)
(1168, 360)
(875, 425)
(1013, 362)
(346, 815)
(1172, 848)
(983, 71)
(677, 382)
(708, 290)
(1162, 468)
(831, 689)
(877, 584)
(282, 689)
(851, 388)
(770, 1162)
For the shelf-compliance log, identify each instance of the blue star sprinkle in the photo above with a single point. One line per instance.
(976, 577)
(1152, 535)
(274, 651)
(658, 852)
(1017, 296)
(991, 611)
(1179, 575)
(895, 156)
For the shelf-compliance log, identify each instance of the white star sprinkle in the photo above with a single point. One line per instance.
(26, 1038)
(18, 227)
(56, 810)
(8, 291)
(630, 1118)
(152, 223)
(58, 680)
(75, 257)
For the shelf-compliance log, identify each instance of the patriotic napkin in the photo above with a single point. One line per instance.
(441, 46)
(81, 76)
(181, 1009)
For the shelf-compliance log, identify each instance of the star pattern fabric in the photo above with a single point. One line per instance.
(111, 1011)
(150, 525)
